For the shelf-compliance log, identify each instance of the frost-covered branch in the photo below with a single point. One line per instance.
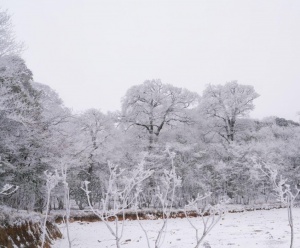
(284, 192)
(63, 179)
(117, 197)
(52, 180)
(210, 215)
(8, 189)
(165, 193)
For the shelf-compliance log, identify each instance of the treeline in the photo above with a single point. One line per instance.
(217, 145)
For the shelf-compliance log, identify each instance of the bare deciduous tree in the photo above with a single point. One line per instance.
(152, 105)
(284, 192)
(227, 103)
(166, 195)
(210, 215)
(117, 197)
(8, 44)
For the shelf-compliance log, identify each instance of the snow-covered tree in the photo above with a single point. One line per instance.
(92, 130)
(225, 104)
(284, 192)
(119, 195)
(21, 135)
(154, 105)
(8, 44)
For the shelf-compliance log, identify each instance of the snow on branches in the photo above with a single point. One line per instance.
(8, 189)
(284, 192)
(120, 194)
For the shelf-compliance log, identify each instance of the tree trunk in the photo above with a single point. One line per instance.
(290, 217)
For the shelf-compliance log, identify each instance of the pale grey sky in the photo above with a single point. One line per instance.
(91, 52)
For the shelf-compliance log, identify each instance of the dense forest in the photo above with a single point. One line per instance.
(207, 139)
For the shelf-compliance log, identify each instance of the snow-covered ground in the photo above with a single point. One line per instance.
(263, 229)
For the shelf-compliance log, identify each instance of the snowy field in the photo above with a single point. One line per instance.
(263, 229)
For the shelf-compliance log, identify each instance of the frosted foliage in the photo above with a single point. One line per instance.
(153, 105)
(230, 100)
(8, 45)
(227, 103)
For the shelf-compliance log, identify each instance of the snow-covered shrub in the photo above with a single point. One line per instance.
(121, 187)
(283, 191)
(210, 215)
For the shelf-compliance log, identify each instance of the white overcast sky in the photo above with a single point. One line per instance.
(91, 52)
